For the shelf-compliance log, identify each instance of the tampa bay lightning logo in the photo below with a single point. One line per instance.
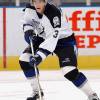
(36, 22)
(40, 29)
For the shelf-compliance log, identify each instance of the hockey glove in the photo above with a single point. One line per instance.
(30, 33)
(35, 60)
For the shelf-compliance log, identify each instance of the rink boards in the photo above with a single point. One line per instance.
(84, 21)
(51, 63)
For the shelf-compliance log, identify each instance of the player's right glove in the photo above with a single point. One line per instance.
(28, 34)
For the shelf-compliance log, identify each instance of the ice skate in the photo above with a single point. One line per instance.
(93, 97)
(35, 96)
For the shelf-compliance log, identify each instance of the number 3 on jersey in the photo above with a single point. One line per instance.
(56, 34)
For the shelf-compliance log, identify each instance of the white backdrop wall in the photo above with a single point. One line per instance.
(15, 40)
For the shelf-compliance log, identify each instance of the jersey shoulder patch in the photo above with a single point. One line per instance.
(56, 21)
(53, 14)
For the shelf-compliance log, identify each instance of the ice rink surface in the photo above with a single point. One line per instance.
(14, 86)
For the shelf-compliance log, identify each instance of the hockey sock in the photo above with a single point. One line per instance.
(86, 88)
(34, 84)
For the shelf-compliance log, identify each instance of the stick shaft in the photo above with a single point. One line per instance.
(36, 71)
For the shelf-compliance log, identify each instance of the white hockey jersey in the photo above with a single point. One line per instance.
(51, 26)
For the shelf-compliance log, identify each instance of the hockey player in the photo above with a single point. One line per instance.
(45, 24)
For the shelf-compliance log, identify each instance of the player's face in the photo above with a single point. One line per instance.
(39, 5)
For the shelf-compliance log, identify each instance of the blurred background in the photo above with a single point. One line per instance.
(57, 2)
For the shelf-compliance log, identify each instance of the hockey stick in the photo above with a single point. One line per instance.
(36, 71)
